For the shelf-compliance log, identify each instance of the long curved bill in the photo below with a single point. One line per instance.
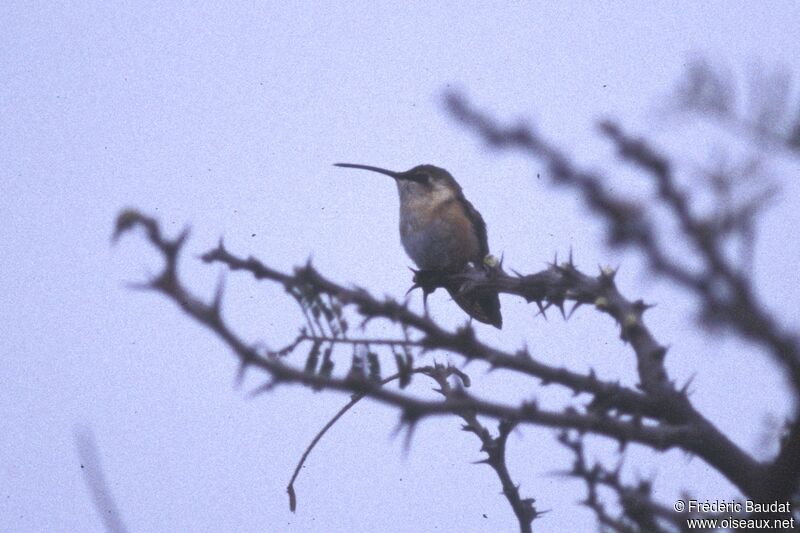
(379, 170)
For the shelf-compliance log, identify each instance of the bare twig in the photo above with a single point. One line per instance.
(349, 405)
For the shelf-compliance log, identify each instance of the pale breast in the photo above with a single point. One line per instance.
(438, 235)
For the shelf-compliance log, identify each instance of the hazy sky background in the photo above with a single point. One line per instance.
(227, 118)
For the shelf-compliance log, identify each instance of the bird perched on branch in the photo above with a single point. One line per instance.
(442, 233)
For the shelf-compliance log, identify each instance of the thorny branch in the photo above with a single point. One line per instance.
(726, 295)
(495, 449)
(660, 415)
(656, 413)
(493, 446)
(638, 511)
(462, 341)
(308, 283)
(660, 401)
(723, 290)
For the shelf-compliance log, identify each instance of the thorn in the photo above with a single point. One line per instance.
(541, 309)
(216, 303)
(685, 388)
(178, 242)
(560, 305)
(640, 307)
(406, 419)
(210, 255)
(140, 285)
(559, 473)
(607, 274)
(409, 437)
(240, 373)
(266, 387)
(126, 220)
(413, 287)
(576, 305)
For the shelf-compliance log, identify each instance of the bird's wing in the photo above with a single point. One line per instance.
(480, 228)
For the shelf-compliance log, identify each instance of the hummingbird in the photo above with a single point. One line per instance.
(442, 232)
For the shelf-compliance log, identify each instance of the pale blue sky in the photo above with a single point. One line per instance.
(227, 117)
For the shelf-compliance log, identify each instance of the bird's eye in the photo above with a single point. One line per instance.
(422, 177)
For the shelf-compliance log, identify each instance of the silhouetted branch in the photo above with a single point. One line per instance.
(167, 283)
(766, 114)
(495, 448)
(655, 412)
(674, 422)
(552, 286)
(638, 511)
(96, 482)
(725, 294)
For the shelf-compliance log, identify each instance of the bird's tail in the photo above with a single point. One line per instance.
(483, 307)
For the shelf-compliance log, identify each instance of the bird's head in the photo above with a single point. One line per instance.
(420, 182)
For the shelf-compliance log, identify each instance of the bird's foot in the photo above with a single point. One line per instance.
(428, 281)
